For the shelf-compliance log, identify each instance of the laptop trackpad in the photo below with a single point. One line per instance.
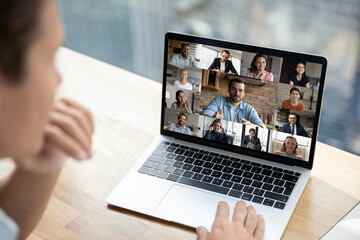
(192, 207)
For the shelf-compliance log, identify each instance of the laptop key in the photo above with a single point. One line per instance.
(170, 149)
(203, 185)
(188, 153)
(169, 162)
(184, 147)
(165, 142)
(257, 199)
(258, 177)
(208, 165)
(187, 167)
(178, 164)
(152, 172)
(228, 169)
(234, 193)
(279, 205)
(178, 172)
(198, 162)
(278, 189)
(149, 164)
(173, 177)
(159, 153)
(156, 159)
(188, 174)
(159, 167)
(214, 154)
(216, 174)
(216, 160)
(194, 149)
(277, 169)
(256, 170)
(238, 172)
(207, 158)
(198, 155)
(246, 167)
(268, 179)
(162, 175)
(224, 156)
(179, 151)
(246, 181)
(259, 192)
(236, 165)
(236, 179)
(268, 202)
(227, 184)
(247, 196)
(143, 170)
(170, 155)
(180, 158)
(217, 181)
(197, 176)
(290, 178)
(289, 172)
(226, 176)
(248, 174)
(275, 196)
(204, 152)
(248, 189)
(174, 145)
(218, 167)
(206, 171)
(226, 162)
(238, 186)
(207, 179)
(276, 174)
(289, 186)
(297, 174)
(266, 172)
(189, 160)
(197, 169)
(257, 184)
(169, 169)
(279, 182)
(267, 186)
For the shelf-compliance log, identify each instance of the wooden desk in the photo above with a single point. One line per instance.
(126, 110)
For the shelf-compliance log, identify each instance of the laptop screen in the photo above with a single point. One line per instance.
(249, 99)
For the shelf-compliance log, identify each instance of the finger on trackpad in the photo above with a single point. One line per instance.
(191, 207)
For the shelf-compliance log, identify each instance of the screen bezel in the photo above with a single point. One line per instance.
(255, 49)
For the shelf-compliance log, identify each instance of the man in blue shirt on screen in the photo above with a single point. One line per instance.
(232, 108)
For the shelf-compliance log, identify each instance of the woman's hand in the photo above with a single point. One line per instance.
(67, 134)
(245, 224)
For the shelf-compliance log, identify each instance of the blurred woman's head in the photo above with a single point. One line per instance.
(290, 145)
(31, 33)
(300, 69)
(294, 93)
(180, 96)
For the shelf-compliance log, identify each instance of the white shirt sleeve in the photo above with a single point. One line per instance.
(8, 228)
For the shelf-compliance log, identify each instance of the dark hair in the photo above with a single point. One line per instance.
(177, 94)
(236, 80)
(226, 51)
(19, 26)
(294, 89)
(303, 63)
(183, 114)
(297, 117)
(184, 45)
(252, 130)
(253, 66)
(283, 149)
(216, 121)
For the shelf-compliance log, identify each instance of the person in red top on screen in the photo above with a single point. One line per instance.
(293, 103)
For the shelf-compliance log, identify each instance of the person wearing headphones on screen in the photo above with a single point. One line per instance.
(214, 133)
(289, 148)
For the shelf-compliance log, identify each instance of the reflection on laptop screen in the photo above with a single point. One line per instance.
(249, 99)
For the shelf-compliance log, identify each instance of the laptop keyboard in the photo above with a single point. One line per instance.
(239, 178)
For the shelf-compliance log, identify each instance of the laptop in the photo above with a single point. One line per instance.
(217, 96)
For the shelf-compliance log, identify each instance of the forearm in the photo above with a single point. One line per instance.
(24, 197)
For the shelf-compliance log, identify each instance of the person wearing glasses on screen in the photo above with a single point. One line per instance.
(258, 68)
(181, 103)
(293, 127)
(217, 133)
(183, 82)
(180, 126)
(299, 77)
(232, 108)
(289, 148)
(293, 103)
(184, 57)
(223, 64)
